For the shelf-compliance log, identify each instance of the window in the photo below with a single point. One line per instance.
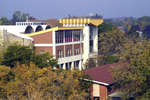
(60, 53)
(76, 64)
(42, 51)
(91, 33)
(76, 51)
(59, 37)
(68, 36)
(76, 35)
(68, 53)
(68, 66)
(61, 66)
(91, 45)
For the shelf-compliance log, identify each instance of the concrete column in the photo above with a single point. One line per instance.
(80, 65)
(95, 40)
(64, 65)
(72, 65)
(54, 43)
(86, 34)
(64, 45)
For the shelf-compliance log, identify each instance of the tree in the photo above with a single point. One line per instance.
(17, 54)
(109, 45)
(34, 83)
(18, 17)
(24, 55)
(4, 21)
(134, 78)
(106, 27)
(44, 60)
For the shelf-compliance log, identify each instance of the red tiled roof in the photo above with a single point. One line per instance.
(102, 73)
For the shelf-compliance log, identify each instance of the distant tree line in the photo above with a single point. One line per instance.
(17, 16)
(132, 25)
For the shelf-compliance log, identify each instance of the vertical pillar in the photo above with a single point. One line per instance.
(95, 38)
(72, 65)
(64, 44)
(54, 43)
(64, 65)
(86, 34)
(80, 65)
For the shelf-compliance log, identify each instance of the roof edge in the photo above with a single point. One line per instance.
(97, 82)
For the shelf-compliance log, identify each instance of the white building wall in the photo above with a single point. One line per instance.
(86, 33)
(54, 44)
(95, 40)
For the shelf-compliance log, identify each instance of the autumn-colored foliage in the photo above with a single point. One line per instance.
(33, 83)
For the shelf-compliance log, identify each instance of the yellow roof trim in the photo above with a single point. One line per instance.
(53, 29)
(95, 22)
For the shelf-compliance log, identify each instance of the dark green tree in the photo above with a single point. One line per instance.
(44, 60)
(4, 21)
(18, 16)
(17, 54)
(106, 27)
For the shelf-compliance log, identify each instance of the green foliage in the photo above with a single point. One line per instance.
(106, 27)
(44, 60)
(4, 21)
(17, 54)
(91, 62)
(18, 16)
(111, 59)
(144, 21)
(109, 44)
(135, 73)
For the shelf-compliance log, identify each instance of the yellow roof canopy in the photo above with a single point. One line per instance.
(92, 21)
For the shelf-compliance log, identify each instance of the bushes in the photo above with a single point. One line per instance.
(17, 53)
(44, 60)
(24, 55)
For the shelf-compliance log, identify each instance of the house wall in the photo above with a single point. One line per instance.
(39, 50)
(99, 91)
(45, 38)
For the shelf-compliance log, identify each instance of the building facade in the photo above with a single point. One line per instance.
(72, 43)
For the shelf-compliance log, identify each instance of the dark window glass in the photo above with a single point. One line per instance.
(68, 53)
(76, 35)
(60, 53)
(68, 36)
(59, 37)
(76, 51)
(76, 64)
(91, 45)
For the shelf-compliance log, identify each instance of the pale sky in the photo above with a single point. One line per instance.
(43, 9)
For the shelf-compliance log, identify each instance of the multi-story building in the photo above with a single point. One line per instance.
(72, 44)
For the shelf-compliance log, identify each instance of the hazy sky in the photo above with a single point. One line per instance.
(61, 8)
